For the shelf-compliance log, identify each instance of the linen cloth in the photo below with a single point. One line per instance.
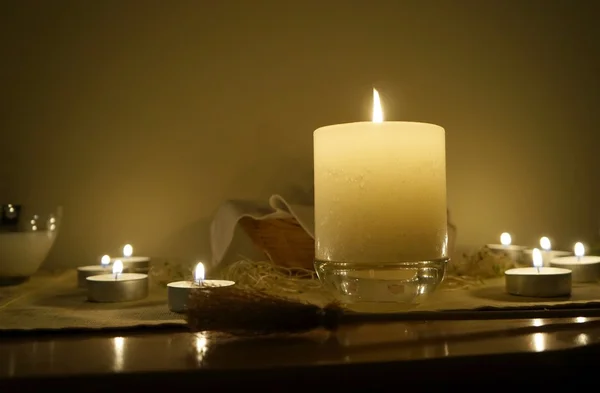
(223, 226)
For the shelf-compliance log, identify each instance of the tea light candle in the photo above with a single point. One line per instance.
(179, 291)
(118, 286)
(515, 252)
(380, 191)
(584, 268)
(538, 281)
(547, 252)
(83, 272)
(134, 264)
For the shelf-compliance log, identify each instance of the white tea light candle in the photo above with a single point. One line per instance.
(538, 281)
(118, 286)
(514, 252)
(584, 268)
(83, 272)
(135, 264)
(179, 291)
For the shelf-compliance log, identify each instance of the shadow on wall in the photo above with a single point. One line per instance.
(195, 235)
(291, 177)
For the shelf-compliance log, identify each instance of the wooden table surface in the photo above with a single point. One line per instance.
(354, 358)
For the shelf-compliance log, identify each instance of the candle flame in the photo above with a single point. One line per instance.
(505, 239)
(127, 250)
(105, 260)
(545, 243)
(538, 259)
(377, 110)
(117, 267)
(579, 249)
(199, 273)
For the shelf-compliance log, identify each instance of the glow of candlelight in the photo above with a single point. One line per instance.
(199, 273)
(117, 268)
(127, 250)
(105, 260)
(505, 239)
(538, 259)
(545, 244)
(579, 250)
(377, 110)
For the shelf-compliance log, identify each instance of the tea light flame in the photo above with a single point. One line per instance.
(538, 259)
(545, 244)
(117, 268)
(505, 239)
(105, 260)
(377, 110)
(579, 249)
(199, 273)
(127, 250)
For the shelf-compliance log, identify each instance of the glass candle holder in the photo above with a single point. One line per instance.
(381, 230)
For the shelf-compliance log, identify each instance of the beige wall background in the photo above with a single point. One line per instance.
(141, 117)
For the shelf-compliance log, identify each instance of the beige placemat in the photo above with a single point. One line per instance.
(53, 301)
(493, 294)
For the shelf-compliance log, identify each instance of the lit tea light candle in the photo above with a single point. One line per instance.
(83, 272)
(135, 264)
(179, 291)
(584, 268)
(547, 252)
(514, 252)
(117, 286)
(538, 281)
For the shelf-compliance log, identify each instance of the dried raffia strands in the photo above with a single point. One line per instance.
(452, 283)
(269, 277)
(468, 272)
(473, 269)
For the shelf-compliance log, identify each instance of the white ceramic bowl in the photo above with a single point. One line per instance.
(22, 253)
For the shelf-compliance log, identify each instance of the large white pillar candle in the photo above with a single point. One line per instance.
(380, 191)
